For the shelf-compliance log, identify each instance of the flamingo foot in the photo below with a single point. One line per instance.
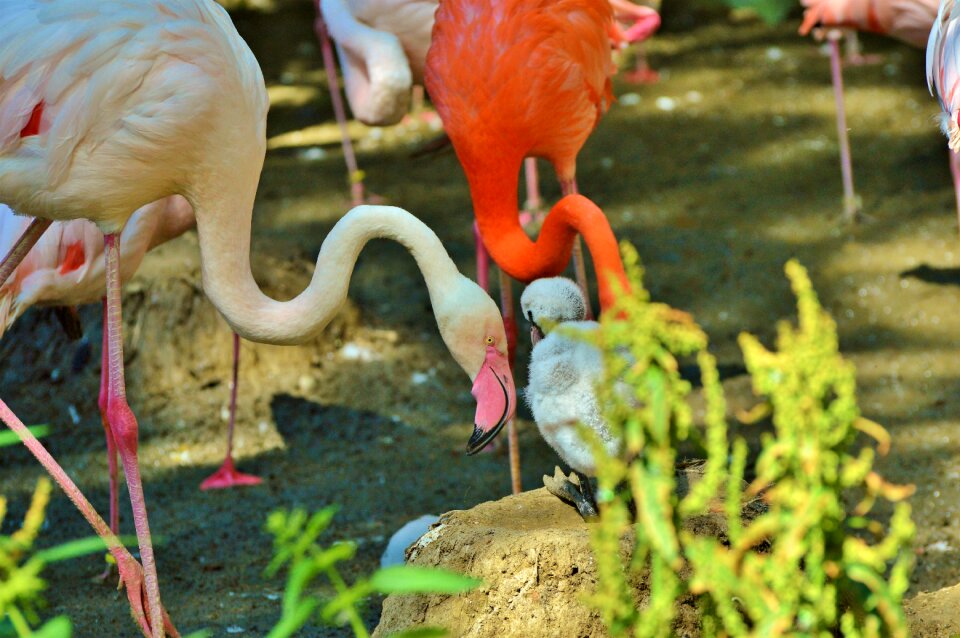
(575, 490)
(131, 578)
(859, 59)
(109, 572)
(229, 476)
(642, 76)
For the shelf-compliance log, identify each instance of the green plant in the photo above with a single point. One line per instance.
(295, 535)
(817, 573)
(20, 583)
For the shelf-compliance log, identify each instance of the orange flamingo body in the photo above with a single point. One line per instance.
(535, 82)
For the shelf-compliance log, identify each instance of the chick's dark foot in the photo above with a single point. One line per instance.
(569, 491)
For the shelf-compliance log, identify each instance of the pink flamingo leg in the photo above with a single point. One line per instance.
(851, 207)
(955, 171)
(854, 52)
(510, 325)
(642, 73)
(483, 260)
(227, 475)
(124, 426)
(111, 444)
(330, 65)
(23, 245)
(131, 574)
(569, 187)
(534, 202)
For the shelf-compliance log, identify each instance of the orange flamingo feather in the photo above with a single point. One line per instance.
(535, 82)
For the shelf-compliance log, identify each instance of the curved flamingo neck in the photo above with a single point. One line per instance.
(494, 193)
(229, 283)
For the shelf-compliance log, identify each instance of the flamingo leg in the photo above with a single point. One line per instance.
(123, 425)
(22, 246)
(569, 187)
(854, 52)
(329, 64)
(227, 475)
(131, 574)
(510, 325)
(534, 202)
(642, 73)
(851, 205)
(483, 260)
(111, 444)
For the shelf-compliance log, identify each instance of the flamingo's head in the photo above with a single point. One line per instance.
(549, 301)
(472, 327)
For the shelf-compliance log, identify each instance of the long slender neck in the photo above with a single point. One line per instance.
(494, 193)
(224, 230)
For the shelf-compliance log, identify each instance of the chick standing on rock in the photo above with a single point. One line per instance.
(563, 375)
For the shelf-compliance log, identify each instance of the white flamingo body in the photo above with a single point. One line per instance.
(106, 105)
(139, 87)
(564, 373)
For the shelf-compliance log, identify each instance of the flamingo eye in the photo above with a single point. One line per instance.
(490, 341)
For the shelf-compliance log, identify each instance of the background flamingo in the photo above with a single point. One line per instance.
(107, 104)
(66, 268)
(633, 24)
(382, 46)
(905, 20)
(943, 71)
(503, 104)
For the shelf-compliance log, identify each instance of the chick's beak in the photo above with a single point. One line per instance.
(496, 399)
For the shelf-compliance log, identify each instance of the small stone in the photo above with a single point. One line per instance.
(666, 104)
(306, 383)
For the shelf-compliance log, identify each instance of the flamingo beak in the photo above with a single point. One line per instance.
(496, 397)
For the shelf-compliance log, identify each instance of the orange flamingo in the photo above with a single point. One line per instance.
(535, 83)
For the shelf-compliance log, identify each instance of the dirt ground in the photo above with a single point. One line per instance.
(718, 174)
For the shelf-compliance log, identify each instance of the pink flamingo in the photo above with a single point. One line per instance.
(943, 78)
(108, 104)
(633, 24)
(905, 20)
(66, 268)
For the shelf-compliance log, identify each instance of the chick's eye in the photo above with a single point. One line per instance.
(490, 341)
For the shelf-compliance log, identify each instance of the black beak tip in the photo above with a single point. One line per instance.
(479, 438)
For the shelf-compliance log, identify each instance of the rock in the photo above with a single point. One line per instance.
(935, 614)
(532, 552)
(395, 553)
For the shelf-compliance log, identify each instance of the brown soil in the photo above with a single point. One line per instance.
(718, 175)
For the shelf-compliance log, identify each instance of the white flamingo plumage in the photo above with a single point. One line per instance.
(106, 105)
(943, 79)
